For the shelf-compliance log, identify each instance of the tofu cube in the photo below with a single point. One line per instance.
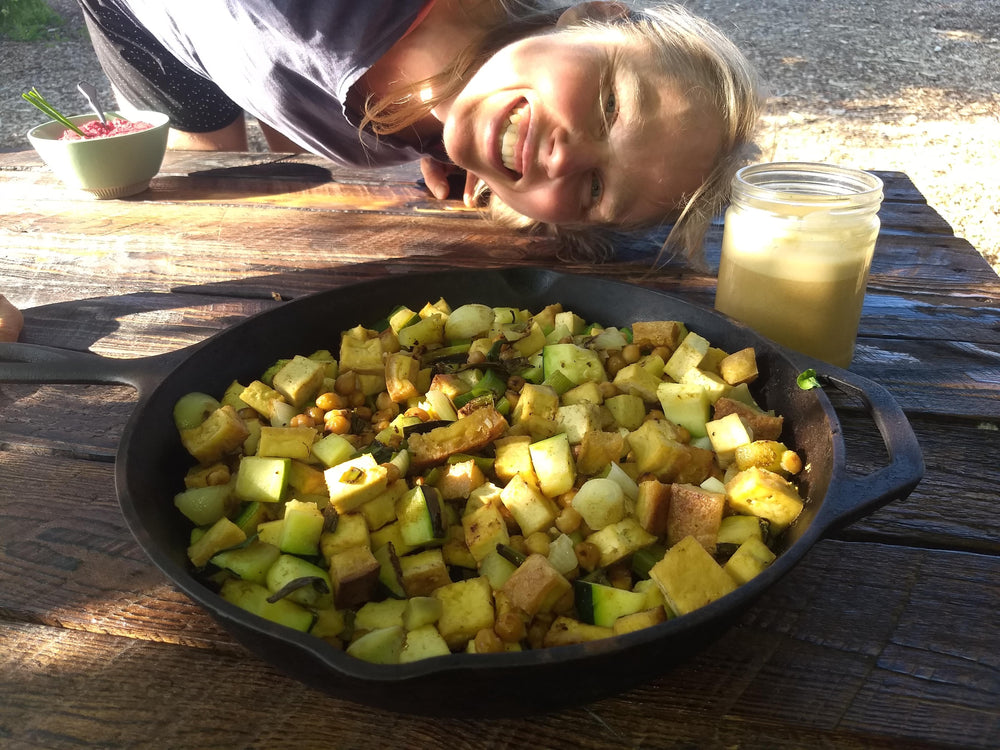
(466, 608)
(689, 577)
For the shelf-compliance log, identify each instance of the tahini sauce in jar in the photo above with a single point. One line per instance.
(796, 250)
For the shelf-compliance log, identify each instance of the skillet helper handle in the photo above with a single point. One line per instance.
(32, 363)
(856, 496)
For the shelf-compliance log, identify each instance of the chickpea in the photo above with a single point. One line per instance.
(346, 383)
(219, 475)
(384, 402)
(510, 627)
(791, 462)
(663, 352)
(363, 412)
(476, 358)
(337, 421)
(316, 413)
(631, 353)
(301, 420)
(356, 399)
(568, 520)
(538, 543)
(615, 363)
(416, 411)
(329, 401)
(488, 642)
(517, 542)
(608, 389)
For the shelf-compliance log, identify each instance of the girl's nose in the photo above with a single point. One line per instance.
(569, 155)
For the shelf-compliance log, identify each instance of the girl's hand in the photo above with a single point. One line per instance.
(436, 176)
(11, 321)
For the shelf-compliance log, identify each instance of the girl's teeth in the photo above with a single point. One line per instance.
(508, 139)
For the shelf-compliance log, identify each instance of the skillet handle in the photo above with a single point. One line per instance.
(856, 496)
(32, 363)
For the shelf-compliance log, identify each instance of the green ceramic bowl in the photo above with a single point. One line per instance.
(109, 167)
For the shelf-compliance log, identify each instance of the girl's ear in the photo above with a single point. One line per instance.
(596, 10)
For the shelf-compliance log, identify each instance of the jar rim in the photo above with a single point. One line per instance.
(808, 183)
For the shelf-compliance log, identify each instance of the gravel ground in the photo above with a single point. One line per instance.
(907, 85)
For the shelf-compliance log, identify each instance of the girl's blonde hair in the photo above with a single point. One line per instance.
(690, 53)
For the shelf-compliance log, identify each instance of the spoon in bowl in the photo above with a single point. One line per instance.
(90, 94)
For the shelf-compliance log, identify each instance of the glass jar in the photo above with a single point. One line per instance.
(796, 249)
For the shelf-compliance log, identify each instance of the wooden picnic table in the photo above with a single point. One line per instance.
(885, 635)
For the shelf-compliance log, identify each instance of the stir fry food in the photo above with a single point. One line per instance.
(484, 479)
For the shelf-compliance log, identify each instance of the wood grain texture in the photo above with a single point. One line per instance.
(884, 636)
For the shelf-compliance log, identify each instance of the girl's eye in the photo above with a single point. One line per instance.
(610, 110)
(596, 188)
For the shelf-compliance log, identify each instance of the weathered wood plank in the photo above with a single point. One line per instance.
(901, 658)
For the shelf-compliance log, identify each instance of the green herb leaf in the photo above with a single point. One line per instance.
(39, 101)
(807, 380)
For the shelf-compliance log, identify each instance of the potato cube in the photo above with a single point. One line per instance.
(222, 433)
(619, 540)
(739, 367)
(749, 560)
(466, 608)
(645, 619)
(485, 528)
(532, 510)
(638, 381)
(565, 631)
(764, 426)
(689, 577)
(424, 572)
(689, 354)
(628, 410)
(552, 461)
(759, 492)
(727, 434)
(600, 501)
(715, 387)
(351, 531)
(423, 643)
(535, 586)
(401, 373)
(456, 481)
(658, 453)
(383, 614)
(576, 420)
(597, 450)
(513, 458)
(652, 506)
(654, 333)
(694, 512)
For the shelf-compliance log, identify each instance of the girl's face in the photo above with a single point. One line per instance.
(577, 129)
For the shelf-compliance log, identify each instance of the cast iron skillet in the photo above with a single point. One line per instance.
(151, 463)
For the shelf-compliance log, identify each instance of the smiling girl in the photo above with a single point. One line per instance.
(567, 118)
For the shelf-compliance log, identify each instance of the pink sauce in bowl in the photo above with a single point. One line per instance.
(97, 129)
